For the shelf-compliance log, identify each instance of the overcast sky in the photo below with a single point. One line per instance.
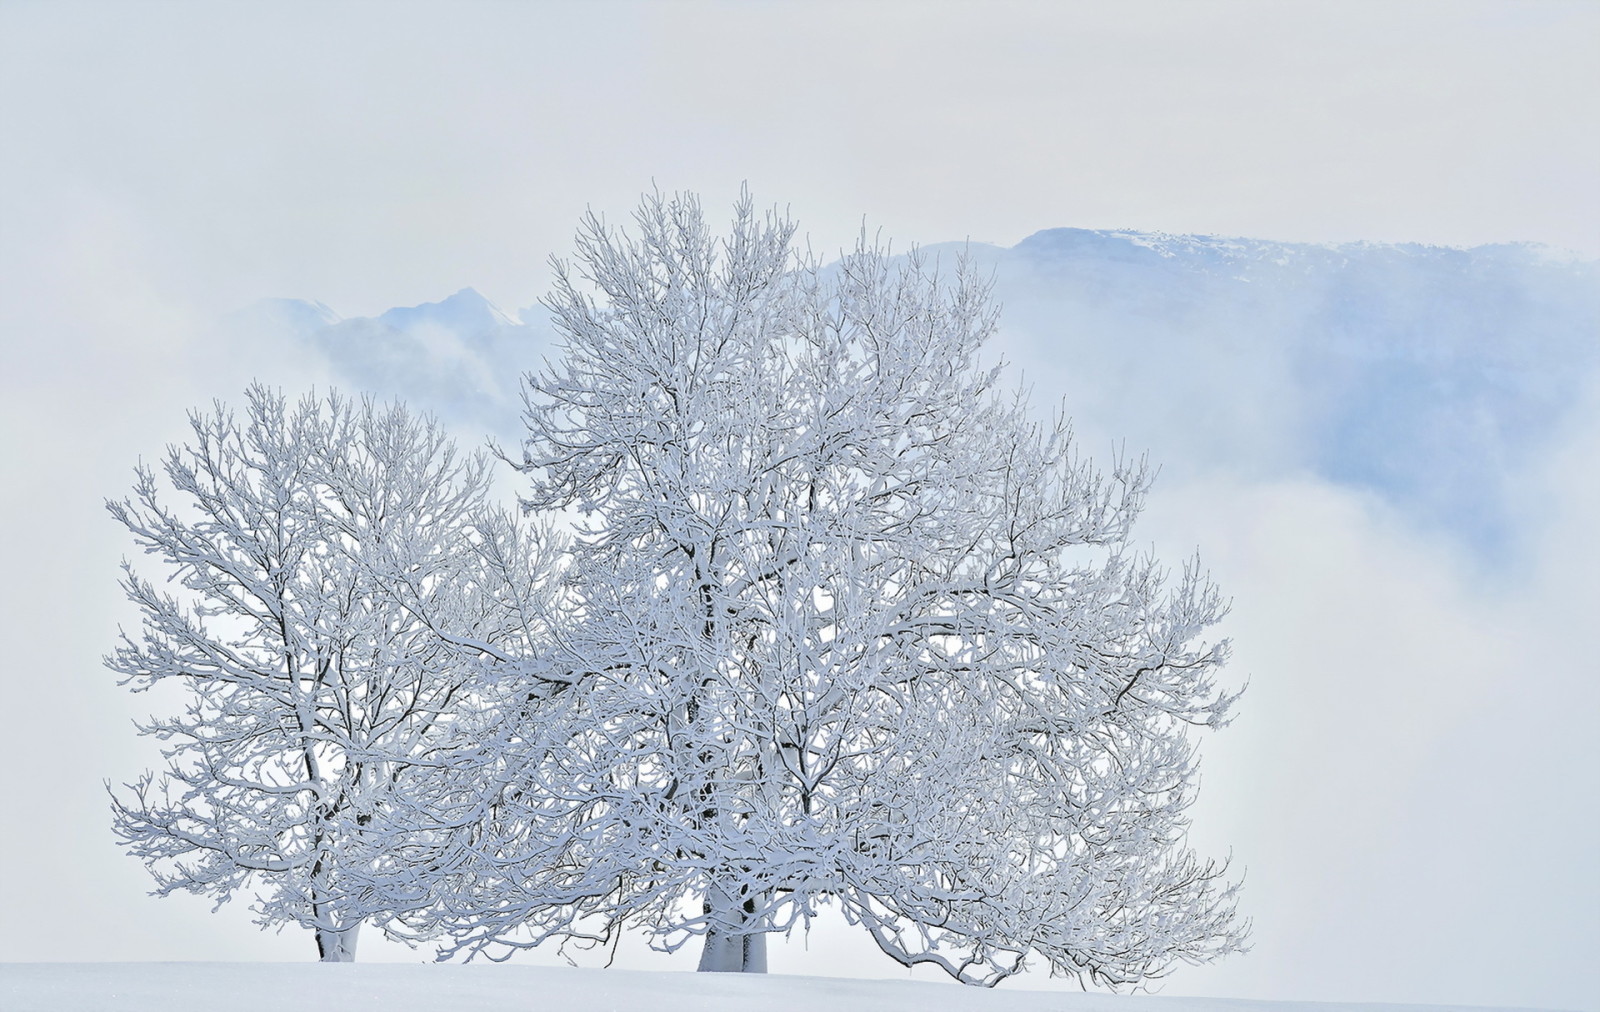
(1411, 783)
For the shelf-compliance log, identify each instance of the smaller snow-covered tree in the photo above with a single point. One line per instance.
(344, 585)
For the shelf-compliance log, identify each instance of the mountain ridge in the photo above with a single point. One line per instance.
(1414, 371)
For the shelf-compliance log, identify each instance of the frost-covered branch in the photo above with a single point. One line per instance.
(343, 590)
(840, 624)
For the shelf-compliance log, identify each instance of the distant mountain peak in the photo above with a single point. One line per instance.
(296, 316)
(467, 311)
(1131, 244)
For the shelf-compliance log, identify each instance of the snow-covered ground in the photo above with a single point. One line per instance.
(360, 987)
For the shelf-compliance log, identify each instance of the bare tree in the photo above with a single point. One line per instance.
(344, 586)
(843, 626)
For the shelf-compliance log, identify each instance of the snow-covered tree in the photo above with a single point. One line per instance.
(843, 625)
(342, 587)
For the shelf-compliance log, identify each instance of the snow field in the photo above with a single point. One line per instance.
(391, 987)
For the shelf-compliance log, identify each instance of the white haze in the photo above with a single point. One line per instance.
(1409, 781)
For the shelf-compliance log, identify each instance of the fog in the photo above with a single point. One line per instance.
(1407, 784)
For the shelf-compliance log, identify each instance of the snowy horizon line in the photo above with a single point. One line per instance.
(1154, 239)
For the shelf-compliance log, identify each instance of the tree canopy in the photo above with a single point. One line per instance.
(842, 624)
(342, 583)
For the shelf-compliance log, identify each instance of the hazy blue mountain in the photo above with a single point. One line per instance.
(1421, 373)
(461, 357)
(465, 313)
(1425, 375)
(292, 316)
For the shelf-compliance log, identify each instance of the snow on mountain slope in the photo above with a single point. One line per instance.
(359, 987)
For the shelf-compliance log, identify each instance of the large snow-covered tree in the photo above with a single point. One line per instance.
(342, 586)
(843, 625)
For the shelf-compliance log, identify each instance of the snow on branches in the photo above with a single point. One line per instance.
(343, 586)
(841, 625)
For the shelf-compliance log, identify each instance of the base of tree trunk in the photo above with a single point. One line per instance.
(725, 953)
(732, 951)
(338, 946)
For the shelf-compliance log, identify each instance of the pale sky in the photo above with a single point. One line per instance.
(1409, 838)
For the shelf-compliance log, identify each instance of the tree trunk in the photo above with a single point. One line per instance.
(338, 945)
(729, 951)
